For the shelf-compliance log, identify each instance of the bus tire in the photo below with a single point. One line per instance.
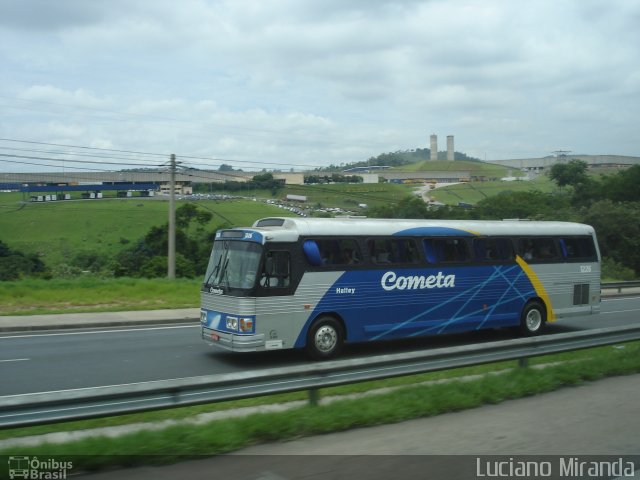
(533, 318)
(325, 338)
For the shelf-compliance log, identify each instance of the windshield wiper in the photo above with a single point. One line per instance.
(216, 275)
(223, 272)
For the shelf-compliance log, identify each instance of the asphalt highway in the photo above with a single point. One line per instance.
(70, 359)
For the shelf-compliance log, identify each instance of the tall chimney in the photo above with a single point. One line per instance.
(434, 147)
(450, 148)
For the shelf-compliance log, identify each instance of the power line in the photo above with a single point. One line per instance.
(84, 154)
(244, 161)
(193, 157)
(84, 147)
(74, 161)
(55, 166)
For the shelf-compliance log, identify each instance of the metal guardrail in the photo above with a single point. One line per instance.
(64, 405)
(620, 285)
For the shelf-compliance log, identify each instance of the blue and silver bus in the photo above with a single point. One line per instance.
(316, 284)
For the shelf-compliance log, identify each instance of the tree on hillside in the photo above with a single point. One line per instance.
(148, 256)
(569, 174)
(415, 207)
(15, 264)
(267, 182)
(227, 168)
(188, 213)
(617, 227)
(623, 186)
(533, 205)
(408, 207)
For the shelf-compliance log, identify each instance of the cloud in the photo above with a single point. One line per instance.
(54, 95)
(336, 81)
(55, 16)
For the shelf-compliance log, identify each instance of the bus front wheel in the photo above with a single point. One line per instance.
(325, 338)
(533, 319)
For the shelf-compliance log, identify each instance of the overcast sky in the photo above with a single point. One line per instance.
(294, 83)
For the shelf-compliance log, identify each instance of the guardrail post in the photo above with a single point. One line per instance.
(314, 397)
(523, 362)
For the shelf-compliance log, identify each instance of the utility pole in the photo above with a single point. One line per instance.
(171, 254)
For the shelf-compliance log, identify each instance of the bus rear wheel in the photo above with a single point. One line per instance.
(325, 338)
(533, 318)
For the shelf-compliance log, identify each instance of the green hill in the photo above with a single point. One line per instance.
(473, 192)
(57, 231)
(476, 168)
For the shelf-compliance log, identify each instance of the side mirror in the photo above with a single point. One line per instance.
(269, 266)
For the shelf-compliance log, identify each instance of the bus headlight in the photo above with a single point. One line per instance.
(203, 317)
(232, 323)
(246, 324)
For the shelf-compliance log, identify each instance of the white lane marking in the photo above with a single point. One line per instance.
(100, 387)
(15, 360)
(610, 300)
(620, 311)
(91, 332)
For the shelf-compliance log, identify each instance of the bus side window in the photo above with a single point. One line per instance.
(578, 249)
(379, 251)
(276, 272)
(349, 252)
(403, 250)
(525, 249)
(446, 250)
(430, 251)
(332, 252)
(541, 249)
(493, 249)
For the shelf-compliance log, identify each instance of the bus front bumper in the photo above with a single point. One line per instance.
(233, 342)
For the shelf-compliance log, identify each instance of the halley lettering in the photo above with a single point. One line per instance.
(391, 281)
(342, 290)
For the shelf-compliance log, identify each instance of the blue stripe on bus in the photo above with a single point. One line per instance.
(435, 232)
(401, 302)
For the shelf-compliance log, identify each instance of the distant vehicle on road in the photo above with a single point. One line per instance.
(316, 283)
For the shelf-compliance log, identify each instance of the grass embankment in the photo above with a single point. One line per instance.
(477, 169)
(184, 441)
(474, 192)
(58, 231)
(90, 294)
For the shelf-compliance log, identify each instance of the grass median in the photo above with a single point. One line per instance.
(184, 441)
(94, 294)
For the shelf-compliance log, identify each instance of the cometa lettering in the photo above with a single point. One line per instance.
(391, 281)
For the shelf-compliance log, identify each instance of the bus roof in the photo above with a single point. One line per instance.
(291, 228)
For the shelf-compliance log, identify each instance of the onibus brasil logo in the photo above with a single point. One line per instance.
(38, 469)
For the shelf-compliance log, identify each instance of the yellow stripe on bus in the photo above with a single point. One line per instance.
(538, 286)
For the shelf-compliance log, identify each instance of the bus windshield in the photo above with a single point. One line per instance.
(233, 264)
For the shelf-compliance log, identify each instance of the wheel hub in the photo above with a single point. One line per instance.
(534, 320)
(326, 338)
